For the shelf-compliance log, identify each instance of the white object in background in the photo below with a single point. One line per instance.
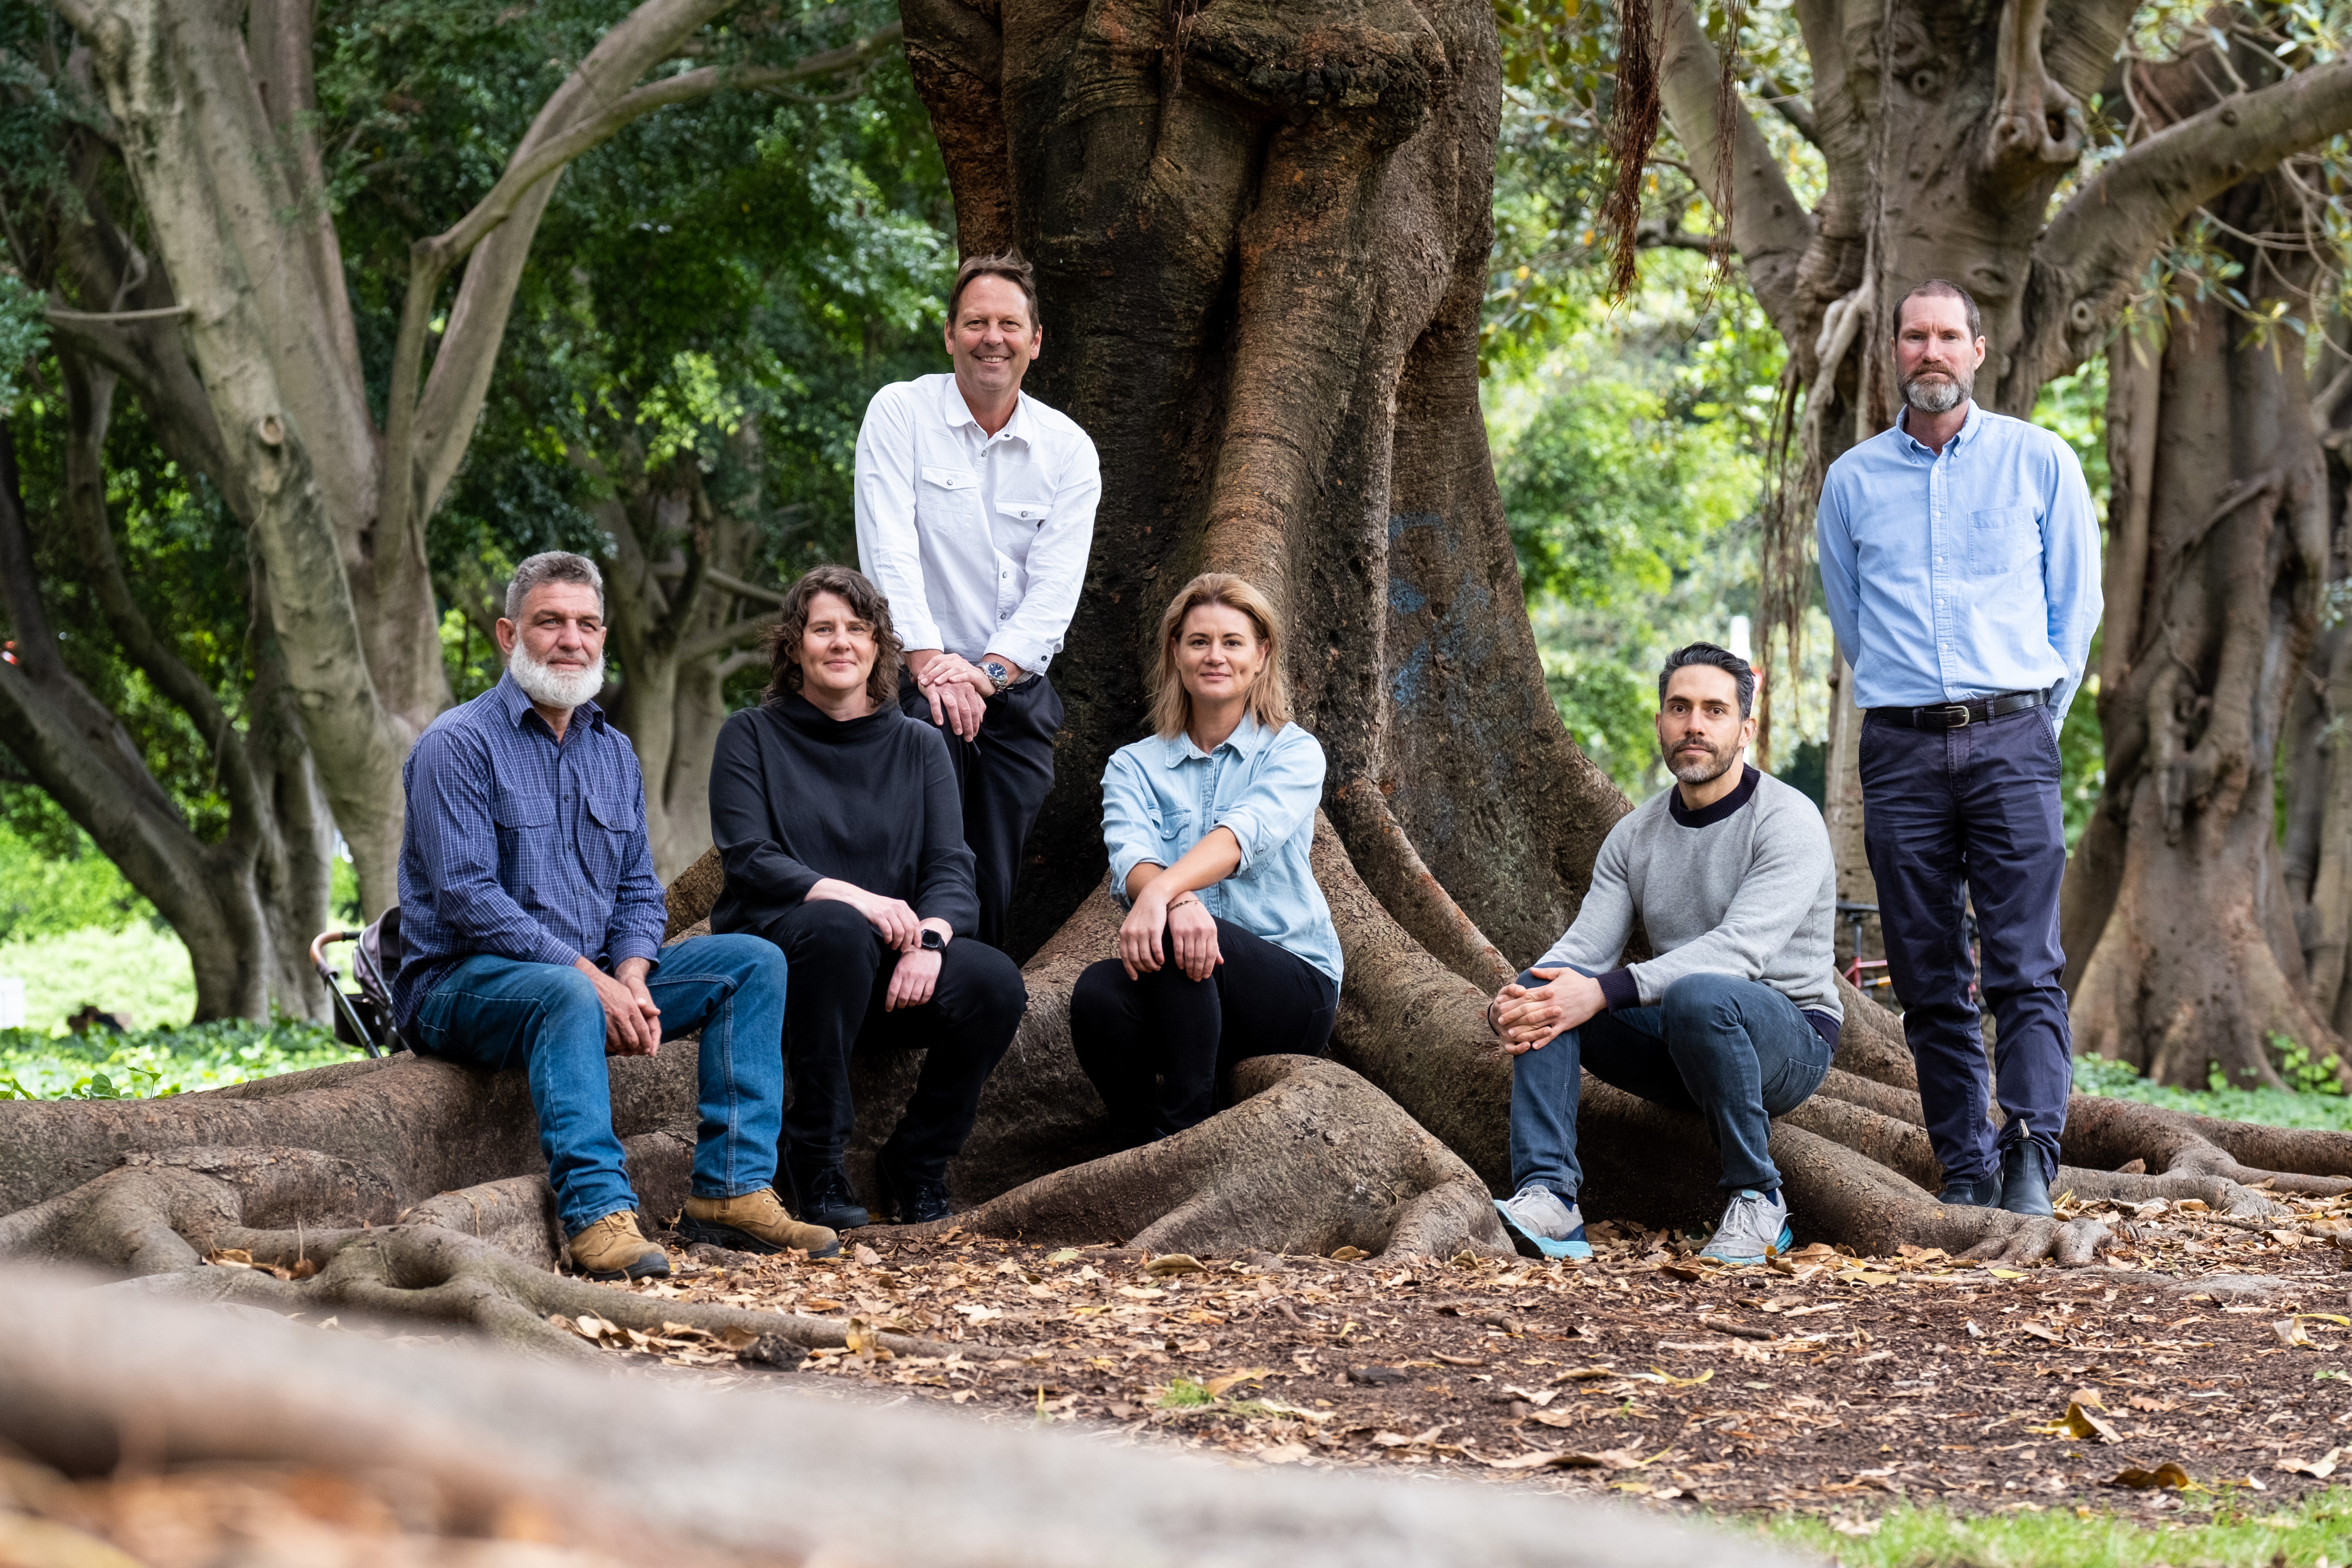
(1739, 643)
(12, 1002)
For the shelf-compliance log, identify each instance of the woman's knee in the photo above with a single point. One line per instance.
(830, 935)
(992, 981)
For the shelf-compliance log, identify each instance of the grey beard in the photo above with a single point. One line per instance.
(1717, 764)
(543, 685)
(1937, 397)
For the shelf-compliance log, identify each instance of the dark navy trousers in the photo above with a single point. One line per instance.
(1954, 816)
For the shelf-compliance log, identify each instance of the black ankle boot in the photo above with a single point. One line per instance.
(1984, 1194)
(910, 1199)
(2024, 1181)
(827, 1198)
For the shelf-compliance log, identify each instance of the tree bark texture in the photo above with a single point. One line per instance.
(484, 1446)
(2183, 952)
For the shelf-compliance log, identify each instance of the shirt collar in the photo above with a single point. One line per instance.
(1245, 740)
(958, 412)
(514, 704)
(1972, 422)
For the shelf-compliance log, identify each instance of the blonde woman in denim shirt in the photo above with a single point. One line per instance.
(1227, 950)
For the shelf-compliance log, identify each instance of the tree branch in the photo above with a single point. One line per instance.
(1770, 226)
(2091, 254)
(721, 639)
(90, 409)
(596, 103)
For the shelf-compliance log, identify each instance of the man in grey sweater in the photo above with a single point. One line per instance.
(1736, 1017)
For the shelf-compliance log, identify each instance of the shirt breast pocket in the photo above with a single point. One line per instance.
(947, 493)
(2001, 539)
(1029, 514)
(521, 809)
(1173, 828)
(605, 837)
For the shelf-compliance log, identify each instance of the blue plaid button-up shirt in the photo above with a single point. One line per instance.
(521, 846)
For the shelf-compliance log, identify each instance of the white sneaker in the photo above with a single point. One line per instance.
(1540, 1219)
(1751, 1223)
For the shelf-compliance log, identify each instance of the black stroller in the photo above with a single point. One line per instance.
(364, 1021)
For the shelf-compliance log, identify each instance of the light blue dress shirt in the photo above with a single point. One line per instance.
(1963, 573)
(1161, 797)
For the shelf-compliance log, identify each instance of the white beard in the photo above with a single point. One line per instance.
(551, 687)
(1939, 396)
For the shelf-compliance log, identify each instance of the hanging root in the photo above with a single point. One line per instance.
(1310, 1158)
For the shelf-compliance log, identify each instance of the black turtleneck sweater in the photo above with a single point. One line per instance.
(796, 797)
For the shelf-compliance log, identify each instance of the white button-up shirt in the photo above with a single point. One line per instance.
(978, 541)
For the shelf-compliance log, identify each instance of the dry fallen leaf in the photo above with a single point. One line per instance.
(1218, 1386)
(2319, 1469)
(1348, 1254)
(2079, 1422)
(2167, 1475)
(1175, 1263)
(2290, 1331)
(866, 1255)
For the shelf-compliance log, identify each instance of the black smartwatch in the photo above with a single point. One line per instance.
(933, 942)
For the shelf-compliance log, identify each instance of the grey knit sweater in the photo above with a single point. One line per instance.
(1743, 887)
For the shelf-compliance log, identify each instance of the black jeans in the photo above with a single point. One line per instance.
(840, 973)
(1003, 776)
(1954, 815)
(1261, 1001)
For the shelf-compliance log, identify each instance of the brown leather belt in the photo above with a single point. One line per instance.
(1956, 715)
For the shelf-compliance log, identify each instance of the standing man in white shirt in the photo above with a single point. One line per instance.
(975, 512)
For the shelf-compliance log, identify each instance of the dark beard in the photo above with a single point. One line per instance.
(1717, 763)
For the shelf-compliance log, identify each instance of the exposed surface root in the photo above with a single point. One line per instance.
(1310, 1159)
(93, 1383)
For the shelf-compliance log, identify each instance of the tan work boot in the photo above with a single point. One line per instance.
(613, 1249)
(754, 1222)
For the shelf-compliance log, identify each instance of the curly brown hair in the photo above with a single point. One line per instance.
(781, 643)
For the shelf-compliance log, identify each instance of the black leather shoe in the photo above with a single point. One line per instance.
(2025, 1182)
(827, 1199)
(1985, 1193)
(910, 1199)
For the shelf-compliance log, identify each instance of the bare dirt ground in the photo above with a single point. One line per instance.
(1821, 1383)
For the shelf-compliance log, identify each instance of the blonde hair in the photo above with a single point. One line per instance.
(1269, 695)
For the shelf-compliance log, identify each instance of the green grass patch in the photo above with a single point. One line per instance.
(2226, 1531)
(140, 971)
(154, 1063)
(1185, 1394)
(2272, 1107)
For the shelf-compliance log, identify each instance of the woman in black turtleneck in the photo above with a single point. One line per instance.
(838, 819)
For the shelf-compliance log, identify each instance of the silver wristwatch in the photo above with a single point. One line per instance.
(998, 676)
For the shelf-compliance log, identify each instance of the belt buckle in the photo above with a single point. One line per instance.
(1959, 708)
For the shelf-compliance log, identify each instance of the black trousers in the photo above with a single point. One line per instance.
(839, 973)
(1261, 1001)
(1947, 817)
(1003, 776)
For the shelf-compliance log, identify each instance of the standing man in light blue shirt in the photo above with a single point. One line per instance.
(1960, 563)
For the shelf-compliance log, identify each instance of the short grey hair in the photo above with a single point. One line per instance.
(1742, 673)
(553, 566)
(1944, 288)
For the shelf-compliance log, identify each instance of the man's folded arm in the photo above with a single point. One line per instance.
(457, 838)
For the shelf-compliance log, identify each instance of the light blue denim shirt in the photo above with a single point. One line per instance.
(1162, 797)
(1963, 573)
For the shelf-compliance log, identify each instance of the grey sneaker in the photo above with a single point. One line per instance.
(1544, 1225)
(1751, 1223)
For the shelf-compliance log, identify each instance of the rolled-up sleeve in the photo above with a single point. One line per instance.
(1280, 800)
(1057, 565)
(1130, 833)
(453, 830)
(883, 499)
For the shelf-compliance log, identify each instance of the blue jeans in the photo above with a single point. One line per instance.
(546, 1018)
(1947, 817)
(1736, 1051)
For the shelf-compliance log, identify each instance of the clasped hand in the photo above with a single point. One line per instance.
(1192, 931)
(632, 1017)
(1529, 1017)
(958, 691)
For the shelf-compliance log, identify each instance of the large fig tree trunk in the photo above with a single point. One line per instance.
(2183, 956)
(1262, 231)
